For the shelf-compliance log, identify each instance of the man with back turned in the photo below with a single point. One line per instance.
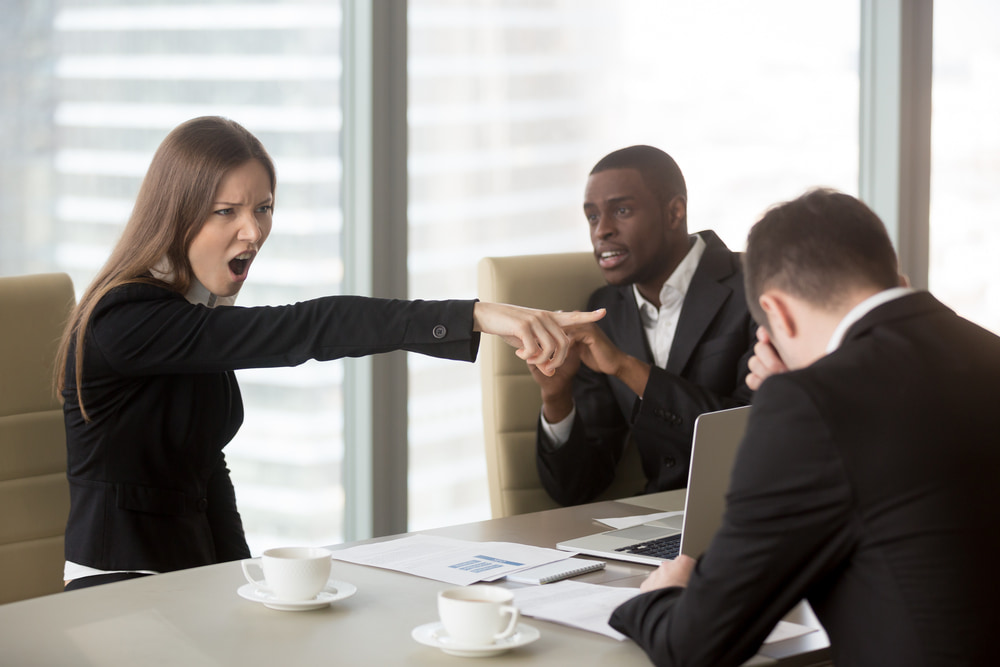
(866, 481)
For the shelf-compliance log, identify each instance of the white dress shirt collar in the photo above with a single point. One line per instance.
(197, 293)
(676, 285)
(660, 324)
(862, 309)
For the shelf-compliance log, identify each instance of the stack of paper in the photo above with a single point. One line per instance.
(589, 606)
(574, 603)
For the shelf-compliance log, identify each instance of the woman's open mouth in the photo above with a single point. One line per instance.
(239, 265)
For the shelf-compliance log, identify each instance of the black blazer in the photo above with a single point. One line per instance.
(866, 483)
(706, 371)
(149, 487)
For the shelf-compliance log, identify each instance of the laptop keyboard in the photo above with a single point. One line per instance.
(666, 548)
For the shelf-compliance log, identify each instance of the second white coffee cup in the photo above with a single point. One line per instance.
(291, 573)
(477, 615)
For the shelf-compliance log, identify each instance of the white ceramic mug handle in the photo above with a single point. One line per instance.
(515, 615)
(247, 564)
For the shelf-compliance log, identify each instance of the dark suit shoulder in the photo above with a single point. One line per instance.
(137, 291)
(719, 263)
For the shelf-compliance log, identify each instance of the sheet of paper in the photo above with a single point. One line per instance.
(589, 606)
(786, 630)
(629, 521)
(452, 561)
(574, 603)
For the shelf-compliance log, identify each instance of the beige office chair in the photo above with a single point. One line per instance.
(511, 399)
(34, 493)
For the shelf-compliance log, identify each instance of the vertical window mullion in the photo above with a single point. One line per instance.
(374, 154)
(895, 124)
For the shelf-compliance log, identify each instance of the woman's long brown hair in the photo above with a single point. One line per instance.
(173, 203)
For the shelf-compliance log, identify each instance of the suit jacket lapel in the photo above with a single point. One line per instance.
(705, 297)
(627, 326)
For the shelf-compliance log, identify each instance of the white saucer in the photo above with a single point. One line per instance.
(335, 590)
(434, 634)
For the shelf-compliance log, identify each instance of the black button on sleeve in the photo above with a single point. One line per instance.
(440, 331)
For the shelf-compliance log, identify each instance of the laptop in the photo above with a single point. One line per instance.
(717, 436)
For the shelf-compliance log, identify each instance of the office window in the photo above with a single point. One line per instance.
(965, 160)
(511, 104)
(89, 91)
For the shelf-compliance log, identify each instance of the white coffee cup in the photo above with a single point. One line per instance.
(291, 573)
(477, 615)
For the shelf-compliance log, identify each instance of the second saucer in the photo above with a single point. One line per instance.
(434, 634)
(335, 590)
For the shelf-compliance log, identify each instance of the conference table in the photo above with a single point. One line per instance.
(196, 618)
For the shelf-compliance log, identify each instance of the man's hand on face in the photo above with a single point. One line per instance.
(765, 361)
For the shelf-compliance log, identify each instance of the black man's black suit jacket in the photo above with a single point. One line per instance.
(706, 371)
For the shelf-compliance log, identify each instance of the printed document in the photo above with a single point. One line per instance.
(589, 606)
(452, 561)
(574, 603)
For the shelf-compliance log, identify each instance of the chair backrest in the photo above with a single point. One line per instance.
(34, 493)
(511, 399)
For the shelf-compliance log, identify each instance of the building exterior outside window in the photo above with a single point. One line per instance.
(90, 89)
(965, 160)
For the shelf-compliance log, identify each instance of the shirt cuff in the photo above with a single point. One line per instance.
(558, 433)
